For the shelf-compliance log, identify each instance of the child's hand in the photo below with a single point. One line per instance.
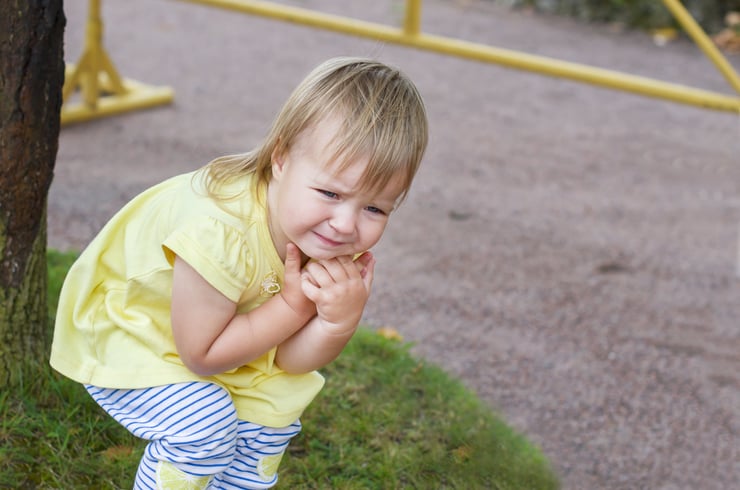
(292, 291)
(340, 288)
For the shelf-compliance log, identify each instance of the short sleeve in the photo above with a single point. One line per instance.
(217, 251)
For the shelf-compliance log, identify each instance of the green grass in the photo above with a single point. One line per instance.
(384, 420)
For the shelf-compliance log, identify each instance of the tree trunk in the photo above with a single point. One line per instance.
(31, 79)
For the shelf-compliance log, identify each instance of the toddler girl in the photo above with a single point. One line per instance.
(199, 315)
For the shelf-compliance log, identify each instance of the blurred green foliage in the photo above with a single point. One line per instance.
(643, 14)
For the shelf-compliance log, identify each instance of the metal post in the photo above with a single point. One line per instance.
(702, 40)
(412, 22)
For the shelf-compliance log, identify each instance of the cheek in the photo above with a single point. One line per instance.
(294, 200)
(304, 211)
(372, 233)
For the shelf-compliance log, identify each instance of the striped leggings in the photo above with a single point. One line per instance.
(195, 438)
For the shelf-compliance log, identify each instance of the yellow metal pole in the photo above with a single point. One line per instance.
(93, 37)
(514, 59)
(702, 40)
(412, 20)
(102, 90)
(307, 17)
(583, 73)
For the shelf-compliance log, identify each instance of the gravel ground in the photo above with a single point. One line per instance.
(569, 252)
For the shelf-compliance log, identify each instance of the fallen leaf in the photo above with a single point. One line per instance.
(664, 35)
(390, 333)
(462, 453)
(117, 452)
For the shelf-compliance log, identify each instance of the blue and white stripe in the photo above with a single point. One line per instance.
(194, 427)
(253, 444)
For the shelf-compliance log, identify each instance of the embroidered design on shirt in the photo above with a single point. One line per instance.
(270, 285)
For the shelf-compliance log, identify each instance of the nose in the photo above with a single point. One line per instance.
(343, 220)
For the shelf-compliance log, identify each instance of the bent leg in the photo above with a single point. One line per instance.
(192, 429)
(259, 451)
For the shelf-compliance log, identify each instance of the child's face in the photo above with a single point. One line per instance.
(326, 214)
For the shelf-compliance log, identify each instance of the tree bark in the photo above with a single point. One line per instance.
(31, 79)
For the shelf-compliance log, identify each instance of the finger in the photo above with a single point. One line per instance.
(318, 273)
(369, 272)
(310, 289)
(362, 262)
(340, 268)
(307, 276)
(292, 259)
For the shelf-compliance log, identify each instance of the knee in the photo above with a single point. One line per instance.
(217, 437)
(203, 432)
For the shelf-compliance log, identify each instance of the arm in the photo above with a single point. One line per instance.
(340, 288)
(212, 338)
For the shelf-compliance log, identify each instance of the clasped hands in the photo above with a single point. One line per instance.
(335, 289)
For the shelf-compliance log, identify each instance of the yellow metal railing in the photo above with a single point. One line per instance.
(410, 35)
(702, 40)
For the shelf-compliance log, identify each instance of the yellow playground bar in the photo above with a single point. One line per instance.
(103, 92)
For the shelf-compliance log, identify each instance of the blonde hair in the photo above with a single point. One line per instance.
(383, 119)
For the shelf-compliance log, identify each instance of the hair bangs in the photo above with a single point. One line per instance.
(383, 126)
(382, 119)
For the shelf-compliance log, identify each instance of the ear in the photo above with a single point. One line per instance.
(277, 162)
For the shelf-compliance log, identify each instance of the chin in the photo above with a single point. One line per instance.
(318, 252)
(323, 254)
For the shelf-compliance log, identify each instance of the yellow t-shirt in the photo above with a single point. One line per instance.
(113, 321)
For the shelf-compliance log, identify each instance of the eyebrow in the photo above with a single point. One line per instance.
(335, 185)
(326, 177)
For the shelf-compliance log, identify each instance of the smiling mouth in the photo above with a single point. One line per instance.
(327, 241)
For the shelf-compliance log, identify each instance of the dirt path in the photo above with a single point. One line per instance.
(569, 252)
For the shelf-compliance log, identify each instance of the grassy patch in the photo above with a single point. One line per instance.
(385, 420)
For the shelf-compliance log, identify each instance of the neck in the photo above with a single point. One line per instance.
(277, 240)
